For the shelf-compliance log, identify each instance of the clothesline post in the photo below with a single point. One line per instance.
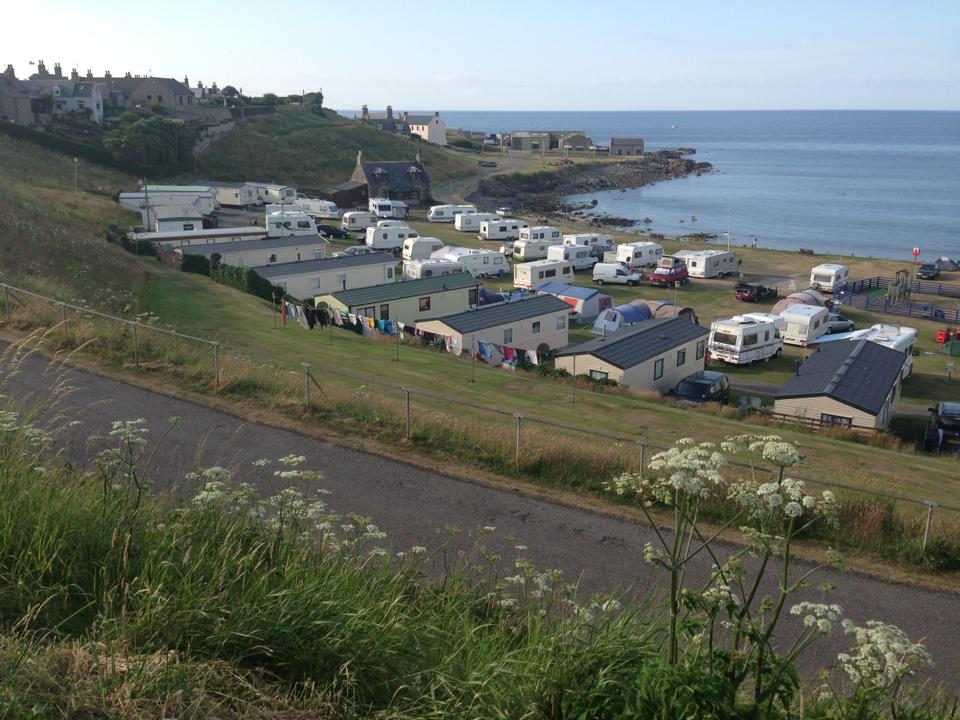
(406, 392)
(136, 345)
(216, 365)
(643, 447)
(306, 386)
(331, 329)
(398, 346)
(274, 310)
(473, 356)
(519, 418)
(574, 379)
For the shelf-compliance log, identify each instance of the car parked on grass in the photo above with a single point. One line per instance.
(355, 250)
(837, 323)
(702, 387)
(753, 292)
(928, 271)
(333, 231)
(943, 437)
(671, 272)
(487, 163)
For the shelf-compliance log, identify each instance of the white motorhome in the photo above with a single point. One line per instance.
(896, 337)
(390, 237)
(598, 244)
(506, 229)
(419, 269)
(580, 257)
(420, 248)
(745, 339)
(709, 263)
(636, 254)
(286, 220)
(470, 222)
(357, 220)
(448, 213)
(829, 277)
(804, 324)
(322, 209)
(386, 208)
(617, 273)
(480, 263)
(532, 275)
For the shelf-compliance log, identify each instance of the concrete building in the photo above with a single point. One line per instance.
(408, 301)
(176, 218)
(401, 180)
(844, 384)
(654, 355)
(431, 128)
(534, 323)
(313, 277)
(625, 147)
(256, 253)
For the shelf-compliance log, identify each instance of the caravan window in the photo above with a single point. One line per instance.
(472, 298)
(658, 369)
(486, 261)
(598, 375)
(508, 336)
(724, 338)
(389, 273)
(535, 328)
(385, 312)
(749, 340)
(367, 312)
(305, 224)
(498, 260)
(424, 304)
(701, 349)
(549, 273)
(561, 322)
(835, 420)
(681, 357)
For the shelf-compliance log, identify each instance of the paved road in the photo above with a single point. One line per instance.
(411, 503)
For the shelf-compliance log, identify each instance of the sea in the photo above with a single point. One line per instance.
(856, 183)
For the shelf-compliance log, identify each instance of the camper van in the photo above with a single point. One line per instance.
(532, 275)
(323, 209)
(616, 273)
(357, 220)
(386, 208)
(829, 277)
(470, 222)
(480, 263)
(289, 221)
(579, 256)
(448, 213)
(507, 229)
(389, 238)
(804, 324)
(709, 263)
(636, 254)
(745, 339)
(598, 244)
(420, 269)
(420, 248)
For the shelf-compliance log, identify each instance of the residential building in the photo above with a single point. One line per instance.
(255, 253)
(129, 90)
(349, 194)
(69, 96)
(851, 384)
(16, 105)
(176, 218)
(654, 355)
(431, 128)
(307, 278)
(626, 146)
(385, 120)
(397, 180)
(408, 301)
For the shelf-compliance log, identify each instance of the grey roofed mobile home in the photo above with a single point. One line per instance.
(634, 345)
(253, 245)
(332, 263)
(408, 288)
(503, 313)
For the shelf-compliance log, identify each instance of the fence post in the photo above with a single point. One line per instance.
(519, 418)
(6, 301)
(136, 344)
(406, 392)
(928, 524)
(63, 319)
(643, 448)
(306, 386)
(216, 365)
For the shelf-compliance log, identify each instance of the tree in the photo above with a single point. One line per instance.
(153, 142)
(270, 99)
(230, 91)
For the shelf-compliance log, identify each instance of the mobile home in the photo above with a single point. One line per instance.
(745, 339)
(533, 275)
(408, 301)
(829, 277)
(172, 218)
(310, 277)
(598, 244)
(636, 254)
(448, 213)
(709, 263)
(896, 337)
(230, 194)
(321, 209)
(273, 193)
(804, 324)
(386, 208)
(418, 269)
(357, 220)
(144, 203)
(290, 220)
(507, 229)
(254, 253)
(420, 248)
(470, 222)
(480, 263)
(580, 257)
(188, 238)
(390, 237)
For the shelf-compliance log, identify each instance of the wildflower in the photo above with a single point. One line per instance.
(882, 655)
(819, 617)
(417, 550)
(262, 462)
(292, 460)
(487, 529)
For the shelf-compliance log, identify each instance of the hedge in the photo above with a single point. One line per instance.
(199, 264)
(245, 279)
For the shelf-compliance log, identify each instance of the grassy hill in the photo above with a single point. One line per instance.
(313, 152)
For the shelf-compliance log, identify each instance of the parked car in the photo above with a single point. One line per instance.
(944, 435)
(616, 272)
(704, 386)
(487, 163)
(837, 323)
(752, 292)
(333, 231)
(928, 271)
(355, 250)
(671, 276)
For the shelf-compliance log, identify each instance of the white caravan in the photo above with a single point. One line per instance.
(480, 263)
(357, 220)
(617, 273)
(829, 277)
(203, 202)
(320, 209)
(389, 238)
(419, 269)
(598, 244)
(448, 213)
(506, 229)
(551, 235)
(532, 275)
(291, 220)
(420, 248)
(636, 254)
(470, 222)
(709, 263)
(805, 324)
(745, 339)
(386, 208)
(528, 250)
(579, 256)
(896, 337)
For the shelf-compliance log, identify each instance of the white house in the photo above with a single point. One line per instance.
(431, 128)
(70, 96)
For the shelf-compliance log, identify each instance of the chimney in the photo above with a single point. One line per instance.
(365, 113)
(74, 75)
(389, 112)
(57, 70)
(359, 158)
(436, 113)
(186, 81)
(107, 75)
(41, 69)
(89, 73)
(128, 75)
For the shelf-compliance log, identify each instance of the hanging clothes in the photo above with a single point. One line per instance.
(456, 344)
(283, 311)
(532, 357)
(485, 350)
(448, 343)
(509, 357)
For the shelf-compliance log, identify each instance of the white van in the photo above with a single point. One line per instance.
(420, 248)
(745, 339)
(386, 208)
(507, 229)
(616, 273)
(532, 275)
(419, 269)
(479, 263)
(804, 324)
(357, 220)
(579, 256)
(448, 213)
(829, 277)
(709, 263)
(389, 238)
(598, 244)
(636, 254)
(470, 222)
(322, 209)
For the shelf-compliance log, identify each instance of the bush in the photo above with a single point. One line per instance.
(245, 279)
(199, 264)
(464, 143)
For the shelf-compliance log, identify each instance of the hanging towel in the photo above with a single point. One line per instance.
(485, 350)
(456, 344)
(532, 357)
(368, 331)
(509, 357)
(283, 311)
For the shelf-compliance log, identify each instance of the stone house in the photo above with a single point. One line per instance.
(397, 180)
(630, 146)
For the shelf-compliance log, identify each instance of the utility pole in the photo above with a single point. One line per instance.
(76, 178)
(146, 201)
(729, 227)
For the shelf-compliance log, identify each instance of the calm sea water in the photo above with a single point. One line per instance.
(854, 182)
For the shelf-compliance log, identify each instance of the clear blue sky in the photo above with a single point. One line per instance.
(519, 55)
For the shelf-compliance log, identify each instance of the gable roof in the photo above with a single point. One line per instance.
(858, 373)
(503, 313)
(626, 141)
(252, 245)
(634, 345)
(574, 291)
(395, 174)
(420, 119)
(279, 270)
(408, 288)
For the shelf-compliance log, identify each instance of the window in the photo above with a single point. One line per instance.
(681, 357)
(424, 304)
(561, 322)
(305, 224)
(180, 98)
(389, 271)
(701, 349)
(473, 297)
(598, 375)
(658, 369)
(342, 281)
(277, 225)
(272, 258)
(315, 283)
(366, 312)
(159, 98)
(385, 312)
(535, 328)
(486, 260)
(835, 420)
(749, 340)
(498, 260)
(508, 336)
(188, 226)
(549, 273)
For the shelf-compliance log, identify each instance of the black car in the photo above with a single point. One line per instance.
(928, 271)
(704, 386)
(333, 231)
(945, 426)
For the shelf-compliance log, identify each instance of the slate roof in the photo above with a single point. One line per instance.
(252, 245)
(574, 291)
(408, 288)
(504, 313)
(859, 374)
(279, 270)
(68, 88)
(626, 141)
(419, 119)
(634, 345)
(395, 174)
(348, 185)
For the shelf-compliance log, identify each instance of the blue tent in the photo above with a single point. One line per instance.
(620, 316)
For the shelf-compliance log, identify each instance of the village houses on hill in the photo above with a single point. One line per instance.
(431, 128)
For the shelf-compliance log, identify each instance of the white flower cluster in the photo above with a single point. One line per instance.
(882, 655)
(820, 617)
(131, 432)
(10, 422)
(689, 469)
(786, 499)
(772, 448)
(718, 597)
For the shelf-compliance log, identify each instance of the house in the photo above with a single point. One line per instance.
(586, 303)
(626, 146)
(255, 253)
(537, 323)
(16, 105)
(385, 121)
(530, 141)
(201, 236)
(173, 218)
(312, 277)
(70, 96)
(400, 180)
(349, 194)
(844, 384)
(654, 355)
(408, 301)
(431, 128)
(129, 90)
(575, 141)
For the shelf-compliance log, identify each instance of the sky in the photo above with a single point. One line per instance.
(519, 54)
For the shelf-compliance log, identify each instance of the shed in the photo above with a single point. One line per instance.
(309, 277)
(408, 301)
(588, 303)
(173, 218)
(349, 194)
(655, 355)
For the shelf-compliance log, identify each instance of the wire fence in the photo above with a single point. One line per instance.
(524, 437)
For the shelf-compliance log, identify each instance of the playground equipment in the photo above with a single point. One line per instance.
(899, 289)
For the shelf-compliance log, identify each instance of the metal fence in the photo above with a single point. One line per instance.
(924, 287)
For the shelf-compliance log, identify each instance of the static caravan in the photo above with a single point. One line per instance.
(418, 269)
(598, 244)
(709, 263)
(528, 250)
(172, 218)
(255, 253)
(391, 237)
(448, 213)
(745, 339)
(309, 277)
(191, 238)
(386, 208)
(580, 257)
(470, 222)
(289, 221)
(357, 220)
(533, 275)
(205, 203)
(480, 263)
(636, 254)
(545, 233)
(804, 324)
(273, 193)
(420, 248)
(829, 277)
(322, 209)
(507, 229)
(229, 194)
(896, 337)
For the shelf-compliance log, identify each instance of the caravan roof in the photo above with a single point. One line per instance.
(502, 313)
(574, 291)
(634, 345)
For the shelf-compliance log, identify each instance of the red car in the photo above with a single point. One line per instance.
(670, 272)
(747, 292)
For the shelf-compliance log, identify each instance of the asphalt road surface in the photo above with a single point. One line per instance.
(411, 504)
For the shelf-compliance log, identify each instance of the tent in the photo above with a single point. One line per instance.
(666, 309)
(802, 297)
(588, 303)
(620, 316)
